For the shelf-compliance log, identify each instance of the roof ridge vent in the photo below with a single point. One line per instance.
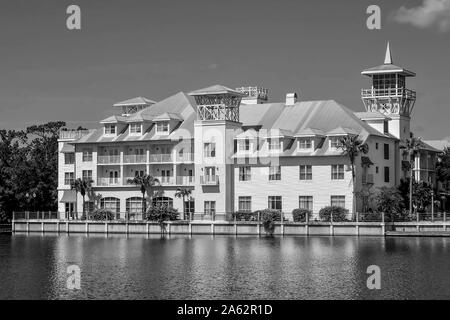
(291, 98)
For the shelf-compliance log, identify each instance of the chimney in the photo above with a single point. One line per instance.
(291, 99)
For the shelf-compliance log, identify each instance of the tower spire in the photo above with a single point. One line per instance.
(388, 56)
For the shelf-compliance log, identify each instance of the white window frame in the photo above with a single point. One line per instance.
(272, 202)
(110, 129)
(337, 198)
(274, 173)
(305, 143)
(337, 172)
(306, 202)
(245, 173)
(245, 203)
(136, 128)
(305, 172)
(87, 155)
(162, 127)
(209, 207)
(69, 177)
(209, 149)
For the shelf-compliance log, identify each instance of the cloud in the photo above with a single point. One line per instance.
(431, 13)
(213, 66)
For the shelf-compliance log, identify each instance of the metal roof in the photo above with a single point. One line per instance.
(216, 89)
(138, 101)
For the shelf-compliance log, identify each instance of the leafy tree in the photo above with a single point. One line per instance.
(82, 186)
(299, 215)
(183, 193)
(389, 201)
(161, 213)
(443, 166)
(146, 184)
(352, 147)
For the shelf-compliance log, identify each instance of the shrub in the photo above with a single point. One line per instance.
(245, 215)
(299, 215)
(339, 214)
(3, 217)
(101, 215)
(161, 213)
(268, 218)
(370, 217)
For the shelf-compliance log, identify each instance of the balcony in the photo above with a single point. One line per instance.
(209, 180)
(185, 157)
(108, 182)
(185, 180)
(133, 158)
(72, 134)
(389, 92)
(108, 159)
(367, 179)
(160, 158)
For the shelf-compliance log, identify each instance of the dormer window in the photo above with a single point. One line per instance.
(110, 129)
(135, 128)
(334, 142)
(244, 145)
(304, 144)
(274, 145)
(162, 127)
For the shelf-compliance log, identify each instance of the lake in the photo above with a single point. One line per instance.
(222, 267)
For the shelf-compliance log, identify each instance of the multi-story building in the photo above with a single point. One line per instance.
(238, 152)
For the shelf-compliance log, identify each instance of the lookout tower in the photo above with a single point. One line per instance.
(217, 103)
(254, 95)
(389, 95)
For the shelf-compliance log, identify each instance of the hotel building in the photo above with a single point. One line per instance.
(237, 151)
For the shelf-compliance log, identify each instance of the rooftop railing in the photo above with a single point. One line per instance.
(388, 92)
(72, 134)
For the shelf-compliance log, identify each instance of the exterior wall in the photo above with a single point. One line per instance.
(290, 187)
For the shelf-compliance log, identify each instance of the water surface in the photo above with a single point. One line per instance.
(223, 267)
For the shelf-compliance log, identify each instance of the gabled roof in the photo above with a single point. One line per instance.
(178, 104)
(375, 115)
(114, 119)
(425, 146)
(310, 132)
(138, 101)
(341, 131)
(438, 144)
(275, 133)
(166, 116)
(216, 89)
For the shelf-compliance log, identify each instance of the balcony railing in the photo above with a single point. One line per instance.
(72, 134)
(388, 92)
(133, 158)
(185, 157)
(160, 157)
(209, 180)
(185, 180)
(108, 182)
(108, 159)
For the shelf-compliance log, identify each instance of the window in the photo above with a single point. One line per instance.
(165, 176)
(189, 208)
(69, 158)
(135, 128)
(274, 144)
(305, 172)
(110, 129)
(386, 174)
(245, 173)
(274, 173)
(134, 205)
(210, 208)
(163, 201)
(305, 202)
(70, 208)
(338, 201)
(244, 145)
(386, 151)
(376, 169)
(87, 155)
(89, 206)
(385, 127)
(111, 204)
(275, 203)
(68, 178)
(245, 204)
(304, 144)
(337, 172)
(376, 145)
(334, 142)
(87, 175)
(209, 149)
(162, 127)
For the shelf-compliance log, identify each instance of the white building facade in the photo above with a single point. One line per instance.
(236, 151)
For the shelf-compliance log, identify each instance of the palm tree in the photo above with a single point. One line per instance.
(352, 147)
(411, 147)
(145, 183)
(183, 193)
(82, 186)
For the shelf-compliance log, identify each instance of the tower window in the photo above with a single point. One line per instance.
(162, 127)
(210, 149)
(386, 174)
(110, 129)
(386, 151)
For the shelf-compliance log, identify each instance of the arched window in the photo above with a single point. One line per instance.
(163, 201)
(134, 205)
(111, 204)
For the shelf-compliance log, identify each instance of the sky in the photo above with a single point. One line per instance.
(155, 48)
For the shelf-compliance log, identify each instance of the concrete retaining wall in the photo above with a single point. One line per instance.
(200, 227)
